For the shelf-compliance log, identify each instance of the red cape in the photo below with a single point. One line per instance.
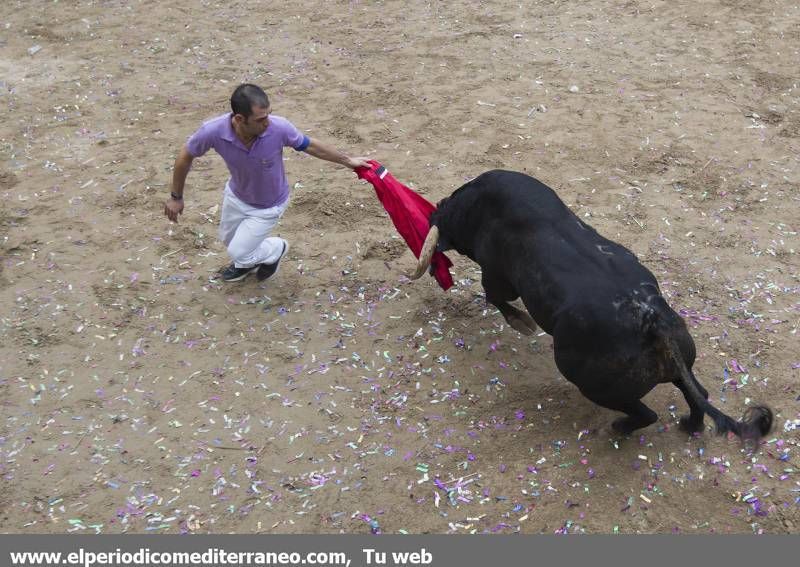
(409, 213)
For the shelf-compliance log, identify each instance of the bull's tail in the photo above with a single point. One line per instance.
(756, 422)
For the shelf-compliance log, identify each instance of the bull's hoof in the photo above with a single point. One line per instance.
(520, 326)
(529, 322)
(687, 424)
(522, 323)
(629, 424)
(624, 425)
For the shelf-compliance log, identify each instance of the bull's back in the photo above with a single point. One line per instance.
(551, 257)
(515, 198)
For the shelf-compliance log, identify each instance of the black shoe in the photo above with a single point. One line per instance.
(234, 274)
(266, 271)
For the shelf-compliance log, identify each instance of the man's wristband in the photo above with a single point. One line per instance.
(176, 197)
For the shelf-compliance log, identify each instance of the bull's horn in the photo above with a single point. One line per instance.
(426, 253)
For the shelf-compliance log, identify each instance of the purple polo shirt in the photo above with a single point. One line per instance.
(257, 174)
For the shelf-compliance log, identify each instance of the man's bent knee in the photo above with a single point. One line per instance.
(239, 255)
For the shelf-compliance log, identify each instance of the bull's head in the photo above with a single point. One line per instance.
(425, 255)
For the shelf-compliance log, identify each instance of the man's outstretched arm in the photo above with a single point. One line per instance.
(324, 151)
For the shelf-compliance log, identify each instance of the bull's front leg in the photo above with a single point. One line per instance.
(499, 294)
(517, 318)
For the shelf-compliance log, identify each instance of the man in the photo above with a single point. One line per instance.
(251, 142)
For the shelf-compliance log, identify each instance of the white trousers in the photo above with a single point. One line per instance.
(245, 230)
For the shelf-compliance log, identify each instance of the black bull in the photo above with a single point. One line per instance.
(614, 335)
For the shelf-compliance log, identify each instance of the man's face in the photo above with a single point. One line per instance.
(257, 123)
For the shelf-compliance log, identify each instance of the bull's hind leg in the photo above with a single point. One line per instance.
(639, 415)
(499, 294)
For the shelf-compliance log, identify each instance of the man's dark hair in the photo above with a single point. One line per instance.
(245, 97)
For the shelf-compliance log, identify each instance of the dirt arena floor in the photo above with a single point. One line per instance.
(140, 394)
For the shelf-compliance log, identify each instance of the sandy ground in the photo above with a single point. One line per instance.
(140, 394)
